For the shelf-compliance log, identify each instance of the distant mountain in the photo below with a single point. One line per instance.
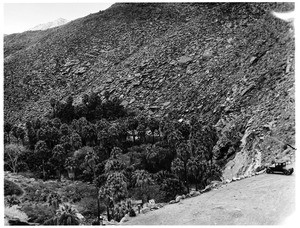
(52, 24)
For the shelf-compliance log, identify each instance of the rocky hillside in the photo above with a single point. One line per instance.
(232, 63)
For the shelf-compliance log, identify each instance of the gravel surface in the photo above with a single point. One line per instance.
(266, 199)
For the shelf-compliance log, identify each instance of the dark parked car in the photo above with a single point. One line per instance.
(280, 167)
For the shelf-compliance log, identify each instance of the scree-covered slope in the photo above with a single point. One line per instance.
(232, 63)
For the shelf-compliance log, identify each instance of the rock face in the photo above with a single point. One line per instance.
(231, 63)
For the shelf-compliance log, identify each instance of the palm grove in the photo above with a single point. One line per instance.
(124, 153)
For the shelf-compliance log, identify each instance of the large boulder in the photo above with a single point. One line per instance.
(216, 184)
(192, 193)
(227, 181)
(145, 210)
(172, 201)
(197, 193)
(207, 189)
(178, 198)
(124, 219)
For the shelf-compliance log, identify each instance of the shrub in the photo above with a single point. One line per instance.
(38, 212)
(12, 157)
(36, 192)
(172, 187)
(77, 191)
(88, 207)
(151, 192)
(11, 188)
(11, 200)
(132, 213)
(66, 215)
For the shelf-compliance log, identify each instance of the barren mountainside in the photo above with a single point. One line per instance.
(232, 63)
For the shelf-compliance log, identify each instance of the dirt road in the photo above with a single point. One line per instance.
(266, 199)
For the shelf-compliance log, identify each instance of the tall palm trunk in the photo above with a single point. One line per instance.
(186, 177)
(133, 136)
(44, 172)
(152, 136)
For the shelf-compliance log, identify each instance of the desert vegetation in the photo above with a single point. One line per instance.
(122, 154)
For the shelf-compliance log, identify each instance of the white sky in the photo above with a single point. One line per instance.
(19, 17)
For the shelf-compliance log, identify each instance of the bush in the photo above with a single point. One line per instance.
(151, 192)
(11, 188)
(172, 187)
(12, 158)
(36, 193)
(11, 200)
(132, 213)
(38, 212)
(77, 191)
(88, 207)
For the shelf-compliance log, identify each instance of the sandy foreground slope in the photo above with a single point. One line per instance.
(266, 199)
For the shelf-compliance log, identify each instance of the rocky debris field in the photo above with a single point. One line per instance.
(231, 63)
(267, 199)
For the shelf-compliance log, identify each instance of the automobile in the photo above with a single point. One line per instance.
(280, 167)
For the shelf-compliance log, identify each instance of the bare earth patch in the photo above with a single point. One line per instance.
(265, 199)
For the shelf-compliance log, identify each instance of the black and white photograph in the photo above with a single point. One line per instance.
(148, 113)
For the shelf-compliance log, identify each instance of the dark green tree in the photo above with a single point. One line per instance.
(142, 179)
(75, 141)
(132, 124)
(7, 129)
(64, 129)
(59, 156)
(197, 169)
(56, 123)
(53, 102)
(153, 125)
(42, 154)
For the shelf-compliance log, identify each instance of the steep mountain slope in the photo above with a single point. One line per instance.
(233, 63)
(51, 24)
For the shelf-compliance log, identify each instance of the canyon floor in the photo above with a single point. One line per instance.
(266, 199)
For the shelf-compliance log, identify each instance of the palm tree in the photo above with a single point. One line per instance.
(153, 125)
(104, 196)
(66, 215)
(59, 157)
(197, 169)
(177, 167)
(7, 129)
(142, 180)
(184, 153)
(132, 124)
(42, 153)
(117, 184)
